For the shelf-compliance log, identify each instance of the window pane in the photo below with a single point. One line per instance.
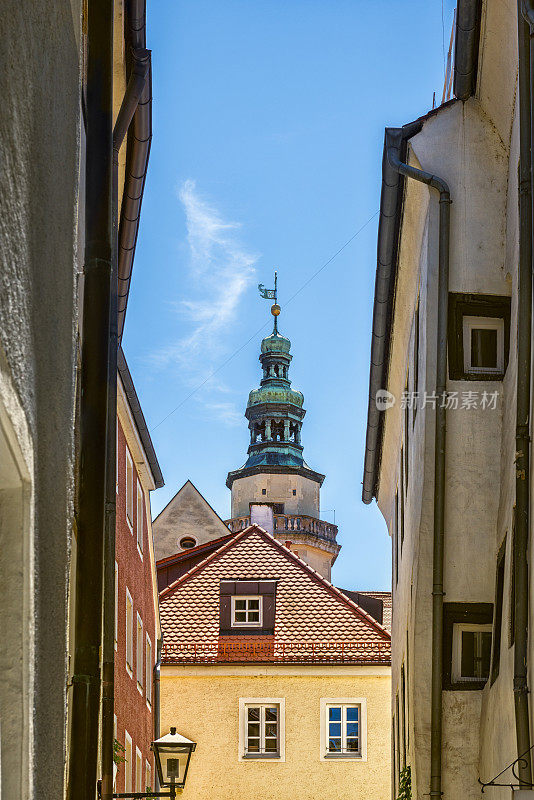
(484, 347)
(352, 714)
(352, 745)
(271, 745)
(271, 714)
(352, 729)
(240, 616)
(253, 729)
(334, 714)
(334, 745)
(253, 714)
(240, 604)
(254, 603)
(253, 616)
(334, 729)
(468, 655)
(253, 746)
(271, 729)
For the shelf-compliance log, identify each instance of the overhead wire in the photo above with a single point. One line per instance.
(265, 325)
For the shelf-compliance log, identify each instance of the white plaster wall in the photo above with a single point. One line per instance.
(279, 490)
(40, 145)
(461, 145)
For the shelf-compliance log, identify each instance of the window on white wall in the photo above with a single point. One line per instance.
(139, 517)
(128, 762)
(149, 665)
(343, 728)
(129, 631)
(471, 652)
(116, 602)
(138, 770)
(139, 650)
(262, 728)
(129, 488)
(483, 345)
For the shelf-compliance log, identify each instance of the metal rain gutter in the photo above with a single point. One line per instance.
(386, 271)
(466, 48)
(137, 155)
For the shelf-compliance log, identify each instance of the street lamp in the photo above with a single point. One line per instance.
(172, 754)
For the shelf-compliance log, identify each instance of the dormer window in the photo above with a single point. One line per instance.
(247, 611)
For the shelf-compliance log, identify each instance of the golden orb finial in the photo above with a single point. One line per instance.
(275, 310)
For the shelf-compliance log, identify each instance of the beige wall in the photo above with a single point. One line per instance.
(203, 703)
(279, 490)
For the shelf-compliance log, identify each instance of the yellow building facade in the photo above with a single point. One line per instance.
(282, 680)
(204, 702)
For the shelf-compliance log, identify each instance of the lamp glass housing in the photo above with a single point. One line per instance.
(172, 754)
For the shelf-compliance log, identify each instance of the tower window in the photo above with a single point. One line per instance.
(187, 542)
(294, 492)
(264, 491)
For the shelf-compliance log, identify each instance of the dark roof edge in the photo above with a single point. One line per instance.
(137, 156)
(391, 202)
(273, 469)
(139, 418)
(467, 38)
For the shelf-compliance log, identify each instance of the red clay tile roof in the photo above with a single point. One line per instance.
(312, 616)
(185, 554)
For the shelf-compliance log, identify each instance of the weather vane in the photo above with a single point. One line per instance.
(271, 294)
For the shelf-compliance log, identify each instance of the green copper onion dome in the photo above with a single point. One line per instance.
(275, 413)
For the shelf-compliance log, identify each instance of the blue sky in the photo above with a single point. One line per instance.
(268, 124)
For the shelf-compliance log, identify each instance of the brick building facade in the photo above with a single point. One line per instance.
(137, 629)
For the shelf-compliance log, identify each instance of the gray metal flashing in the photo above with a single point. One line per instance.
(139, 418)
(467, 36)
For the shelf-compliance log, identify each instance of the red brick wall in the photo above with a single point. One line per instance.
(131, 709)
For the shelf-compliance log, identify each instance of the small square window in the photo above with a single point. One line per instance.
(483, 345)
(264, 491)
(471, 653)
(247, 611)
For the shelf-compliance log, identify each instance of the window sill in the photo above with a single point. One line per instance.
(139, 688)
(129, 670)
(261, 756)
(343, 757)
(130, 524)
(140, 552)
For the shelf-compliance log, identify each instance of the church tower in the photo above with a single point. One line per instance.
(276, 488)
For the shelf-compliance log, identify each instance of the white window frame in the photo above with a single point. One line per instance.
(148, 776)
(139, 520)
(246, 597)
(138, 774)
(244, 703)
(148, 660)
(116, 632)
(129, 490)
(128, 762)
(139, 654)
(325, 704)
(129, 633)
(485, 323)
(457, 629)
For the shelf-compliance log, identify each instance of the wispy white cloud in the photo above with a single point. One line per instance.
(221, 270)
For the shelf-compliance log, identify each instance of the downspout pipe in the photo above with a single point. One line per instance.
(157, 697)
(128, 107)
(439, 459)
(525, 22)
(95, 384)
